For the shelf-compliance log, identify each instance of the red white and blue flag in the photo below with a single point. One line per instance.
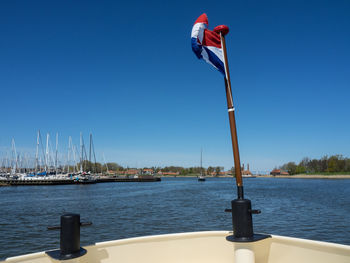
(206, 44)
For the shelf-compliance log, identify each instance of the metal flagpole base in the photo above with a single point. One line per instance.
(242, 221)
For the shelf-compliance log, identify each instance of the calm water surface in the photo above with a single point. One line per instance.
(316, 209)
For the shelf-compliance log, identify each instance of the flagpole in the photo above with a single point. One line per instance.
(241, 208)
(222, 30)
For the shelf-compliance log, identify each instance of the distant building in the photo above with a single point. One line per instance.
(148, 171)
(132, 172)
(246, 172)
(275, 172)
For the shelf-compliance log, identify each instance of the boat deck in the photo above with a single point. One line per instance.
(204, 247)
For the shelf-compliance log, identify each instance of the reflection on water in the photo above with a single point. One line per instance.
(313, 209)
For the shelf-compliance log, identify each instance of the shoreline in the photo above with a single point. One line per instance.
(299, 176)
(306, 176)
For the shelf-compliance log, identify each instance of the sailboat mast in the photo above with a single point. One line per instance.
(47, 153)
(69, 150)
(75, 159)
(7, 163)
(81, 153)
(14, 153)
(201, 163)
(93, 152)
(56, 160)
(90, 165)
(90, 147)
(19, 163)
(104, 159)
(37, 152)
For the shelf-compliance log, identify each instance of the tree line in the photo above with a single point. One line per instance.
(115, 167)
(332, 164)
(191, 170)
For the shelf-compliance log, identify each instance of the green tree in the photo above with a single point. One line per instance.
(210, 170)
(347, 165)
(217, 170)
(300, 169)
(289, 167)
(233, 171)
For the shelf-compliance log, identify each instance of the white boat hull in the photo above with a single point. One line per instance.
(204, 247)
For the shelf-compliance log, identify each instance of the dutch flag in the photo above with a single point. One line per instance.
(206, 44)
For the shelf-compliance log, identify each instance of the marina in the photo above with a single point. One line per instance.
(15, 172)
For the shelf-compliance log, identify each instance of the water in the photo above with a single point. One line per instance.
(316, 209)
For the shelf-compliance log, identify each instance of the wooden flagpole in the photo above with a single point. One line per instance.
(223, 30)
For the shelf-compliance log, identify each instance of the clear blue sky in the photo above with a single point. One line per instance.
(125, 71)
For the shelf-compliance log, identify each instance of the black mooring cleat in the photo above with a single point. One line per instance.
(69, 238)
(242, 222)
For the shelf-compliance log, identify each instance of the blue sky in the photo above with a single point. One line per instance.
(125, 72)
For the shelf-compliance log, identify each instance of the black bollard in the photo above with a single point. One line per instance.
(242, 218)
(69, 238)
(242, 222)
(70, 234)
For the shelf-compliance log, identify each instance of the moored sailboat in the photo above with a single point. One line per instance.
(201, 177)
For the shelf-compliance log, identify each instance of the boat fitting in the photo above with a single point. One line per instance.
(242, 222)
(69, 238)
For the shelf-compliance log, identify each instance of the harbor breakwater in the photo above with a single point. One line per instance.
(15, 182)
